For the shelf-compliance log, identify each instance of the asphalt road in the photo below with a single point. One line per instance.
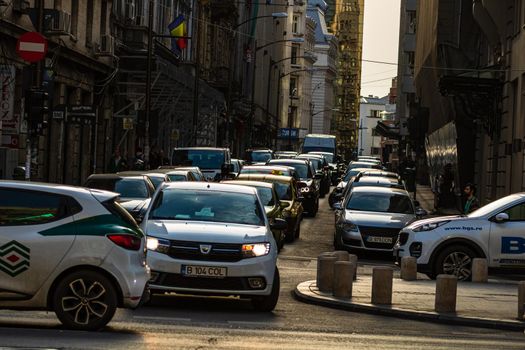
(175, 322)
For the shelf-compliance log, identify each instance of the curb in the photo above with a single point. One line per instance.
(331, 302)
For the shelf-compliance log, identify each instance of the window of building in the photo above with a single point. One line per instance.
(517, 16)
(293, 87)
(295, 53)
(89, 22)
(103, 17)
(74, 17)
(375, 113)
(411, 22)
(295, 24)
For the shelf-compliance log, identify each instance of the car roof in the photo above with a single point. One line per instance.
(378, 172)
(289, 161)
(386, 190)
(269, 166)
(249, 183)
(201, 149)
(257, 177)
(114, 176)
(211, 186)
(377, 179)
(309, 155)
(178, 172)
(259, 150)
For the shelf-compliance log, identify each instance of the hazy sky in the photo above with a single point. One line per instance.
(380, 43)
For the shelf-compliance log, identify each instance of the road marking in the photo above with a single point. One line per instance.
(300, 258)
(256, 323)
(163, 318)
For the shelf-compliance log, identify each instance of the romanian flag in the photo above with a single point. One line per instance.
(178, 30)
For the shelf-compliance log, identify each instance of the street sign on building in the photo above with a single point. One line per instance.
(81, 114)
(127, 123)
(285, 133)
(31, 47)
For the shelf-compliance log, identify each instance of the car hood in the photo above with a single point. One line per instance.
(198, 231)
(135, 205)
(435, 220)
(367, 218)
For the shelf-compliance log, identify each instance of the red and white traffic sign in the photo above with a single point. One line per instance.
(32, 47)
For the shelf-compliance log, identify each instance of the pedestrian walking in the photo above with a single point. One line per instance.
(472, 202)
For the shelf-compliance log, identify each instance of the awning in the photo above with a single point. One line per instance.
(386, 130)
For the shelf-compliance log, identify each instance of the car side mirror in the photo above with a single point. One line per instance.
(420, 212)
(278, 224)
(318, 176)
(501, 218)
(338, 206)
(283, 204)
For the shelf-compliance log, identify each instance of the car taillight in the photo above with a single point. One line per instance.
(128, 242)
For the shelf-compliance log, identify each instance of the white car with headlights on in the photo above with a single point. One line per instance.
(447, 245)
(214, 239)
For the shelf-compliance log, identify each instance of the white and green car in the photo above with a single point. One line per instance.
(71, 250)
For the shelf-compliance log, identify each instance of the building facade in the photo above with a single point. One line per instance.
(324, 75)
(371, 110)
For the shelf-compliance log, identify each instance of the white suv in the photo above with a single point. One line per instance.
(210, 238)
(71, 250)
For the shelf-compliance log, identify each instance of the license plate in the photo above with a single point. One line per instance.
(376, 239)
(204, 271)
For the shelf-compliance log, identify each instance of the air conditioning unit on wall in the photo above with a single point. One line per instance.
(58, 23)
(107, 46)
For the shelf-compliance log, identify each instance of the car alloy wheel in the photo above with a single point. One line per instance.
(459, 264)
(85, 300)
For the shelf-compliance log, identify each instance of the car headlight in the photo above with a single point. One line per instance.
(158, 244)
(348, 226)
(429, 227)
(255, 249)
(305, 189)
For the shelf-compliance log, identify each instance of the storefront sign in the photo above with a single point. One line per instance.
(10, 121)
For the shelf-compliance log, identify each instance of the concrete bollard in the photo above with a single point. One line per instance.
(353, 259)
(325, 273)
(318, 258)
(342, 255)
(382, 285)
(408, 268)
(446, 293)
(521, 301)
(480, 270)
(342, 286)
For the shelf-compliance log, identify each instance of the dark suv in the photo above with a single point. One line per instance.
(308, 184)
(321, 167)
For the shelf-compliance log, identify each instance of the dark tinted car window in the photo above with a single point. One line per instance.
(30, 207)
(126, 187)
(266, 196)
(284, 191)
(117, 210)
(300, 168)
(380, 202)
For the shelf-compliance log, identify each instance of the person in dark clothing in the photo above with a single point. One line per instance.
(117, 162)
(472, 202)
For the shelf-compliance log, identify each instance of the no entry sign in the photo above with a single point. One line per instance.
(32, 47)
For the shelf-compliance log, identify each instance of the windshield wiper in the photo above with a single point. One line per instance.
(164, 218)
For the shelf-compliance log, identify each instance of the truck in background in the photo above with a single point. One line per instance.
(320, 143)
(215, 163)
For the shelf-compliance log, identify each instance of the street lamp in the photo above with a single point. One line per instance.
(326, 110)
(257, 49)
(233, 59)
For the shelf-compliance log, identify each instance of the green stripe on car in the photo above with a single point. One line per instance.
(99, 225)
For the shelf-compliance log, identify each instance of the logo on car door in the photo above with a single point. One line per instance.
(14, 258)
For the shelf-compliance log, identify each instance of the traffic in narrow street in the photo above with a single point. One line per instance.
(170, 321)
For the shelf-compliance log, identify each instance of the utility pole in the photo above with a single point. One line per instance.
(196, 82)
(151, 8)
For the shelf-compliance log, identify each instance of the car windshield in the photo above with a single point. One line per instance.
(177, 177)
(315, 162)
(266, 196)
(204, 159)
(126, 187)
(260, 156)
(361, 165)
(376, 184)
(301, 169)
(350, 174)
(380, 202)
(265, 171)
(200, 205)
(329, 157)
(493, 206)
(284, 191)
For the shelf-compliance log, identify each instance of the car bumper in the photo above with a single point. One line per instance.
(167, 276)
(354, 240)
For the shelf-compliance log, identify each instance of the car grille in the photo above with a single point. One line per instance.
(179, 281)
(403, 238)
(191, 251)
(367, 231)
(354, 242)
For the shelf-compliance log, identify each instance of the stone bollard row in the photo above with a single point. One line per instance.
(446, 293)
(408, 268)
(382, 285)
(480, 270)
(521, 301)
(325, 272)
(343, 279)
(336, 272)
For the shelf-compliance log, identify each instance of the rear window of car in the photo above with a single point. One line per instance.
(284, 191)
(266, 196)
(212, 206)
(380, 202)
(177, 177)
(117, 210)
(126, 187)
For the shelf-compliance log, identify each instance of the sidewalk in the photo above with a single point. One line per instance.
(486, 305)
(425, 196)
